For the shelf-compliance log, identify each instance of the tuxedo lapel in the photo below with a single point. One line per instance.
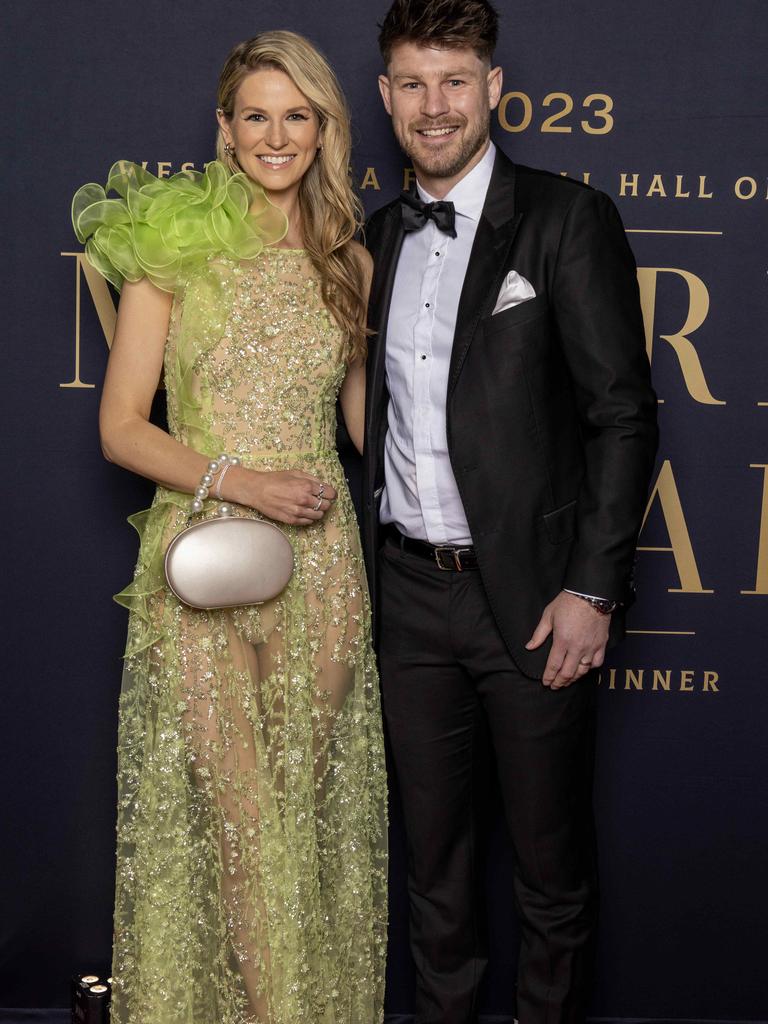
(386, 252)
(385, 248)
(487, 262)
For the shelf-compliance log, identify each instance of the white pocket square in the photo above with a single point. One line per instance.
(514, 290)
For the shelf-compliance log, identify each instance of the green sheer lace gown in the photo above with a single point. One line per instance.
(251, 870)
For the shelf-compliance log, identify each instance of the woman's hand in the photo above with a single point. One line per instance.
(288, 496)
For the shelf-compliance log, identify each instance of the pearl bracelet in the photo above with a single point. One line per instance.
(203, 489)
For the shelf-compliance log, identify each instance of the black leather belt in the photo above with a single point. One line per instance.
(444, 556)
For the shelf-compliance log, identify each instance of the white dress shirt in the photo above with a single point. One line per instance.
(420, 495)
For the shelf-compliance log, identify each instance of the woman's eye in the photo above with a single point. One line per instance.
(255, 117)
(298, 117)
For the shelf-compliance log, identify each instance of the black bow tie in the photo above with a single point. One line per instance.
(416, 214)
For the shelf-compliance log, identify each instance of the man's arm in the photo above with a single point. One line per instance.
(597, 312)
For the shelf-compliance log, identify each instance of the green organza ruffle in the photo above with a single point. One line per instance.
(166, 229)
(149, 578)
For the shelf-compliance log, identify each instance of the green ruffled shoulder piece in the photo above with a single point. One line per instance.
(167, 228)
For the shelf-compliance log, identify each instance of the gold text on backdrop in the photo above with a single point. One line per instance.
(698, 307)
(105, 310)
(761, 577)
(515, 113)
(680, 547)
(660, 680)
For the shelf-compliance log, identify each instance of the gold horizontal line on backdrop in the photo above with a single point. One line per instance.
(662, 632)
(668, 231)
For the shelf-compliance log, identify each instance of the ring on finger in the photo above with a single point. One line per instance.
(585, 661)
(321, 492)
(316, 507)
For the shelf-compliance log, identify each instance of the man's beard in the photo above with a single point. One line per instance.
(448, 163)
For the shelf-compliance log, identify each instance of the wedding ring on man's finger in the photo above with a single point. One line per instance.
(585, 661)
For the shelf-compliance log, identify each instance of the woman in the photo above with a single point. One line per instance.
(251, 838)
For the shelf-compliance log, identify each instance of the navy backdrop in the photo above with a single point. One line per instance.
(662, 105)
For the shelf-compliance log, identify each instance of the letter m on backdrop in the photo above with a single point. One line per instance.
(105, 309)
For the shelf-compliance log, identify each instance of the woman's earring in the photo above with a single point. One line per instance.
(228, 148)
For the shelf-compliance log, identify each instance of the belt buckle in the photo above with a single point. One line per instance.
(454, 553)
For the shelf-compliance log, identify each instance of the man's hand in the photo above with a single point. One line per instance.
(579, 635)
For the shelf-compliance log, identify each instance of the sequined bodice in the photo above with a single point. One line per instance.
(269, 383)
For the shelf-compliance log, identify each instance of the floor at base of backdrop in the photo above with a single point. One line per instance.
(58, 1016)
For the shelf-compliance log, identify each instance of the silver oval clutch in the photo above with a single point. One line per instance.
(228, 561)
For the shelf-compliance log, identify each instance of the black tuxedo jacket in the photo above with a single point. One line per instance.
(551, 418)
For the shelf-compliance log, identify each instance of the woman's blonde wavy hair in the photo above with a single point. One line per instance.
(331, 213)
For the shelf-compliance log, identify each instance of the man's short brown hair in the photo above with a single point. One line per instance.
(449, 24)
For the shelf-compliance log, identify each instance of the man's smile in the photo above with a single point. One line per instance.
(437, 133)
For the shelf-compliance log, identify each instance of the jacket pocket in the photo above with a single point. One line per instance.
(561, 523)
(530, 309)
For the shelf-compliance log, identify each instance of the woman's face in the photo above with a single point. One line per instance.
(274, 131)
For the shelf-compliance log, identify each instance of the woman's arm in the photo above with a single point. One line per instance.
(352, 395)
(352, 399)
(130, 440)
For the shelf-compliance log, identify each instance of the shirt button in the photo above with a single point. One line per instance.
(426, 304)
(423, 357)
(437, 254)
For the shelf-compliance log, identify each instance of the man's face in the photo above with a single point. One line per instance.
(440, 102)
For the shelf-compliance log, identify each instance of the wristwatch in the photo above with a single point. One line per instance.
(600, 604)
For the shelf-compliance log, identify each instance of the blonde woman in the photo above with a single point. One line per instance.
(251, 867)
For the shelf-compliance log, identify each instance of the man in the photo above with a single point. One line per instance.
(510, 439)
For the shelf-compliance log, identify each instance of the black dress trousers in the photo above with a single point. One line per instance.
(449, 684)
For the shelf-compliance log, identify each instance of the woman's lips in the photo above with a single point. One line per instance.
(275, 162)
